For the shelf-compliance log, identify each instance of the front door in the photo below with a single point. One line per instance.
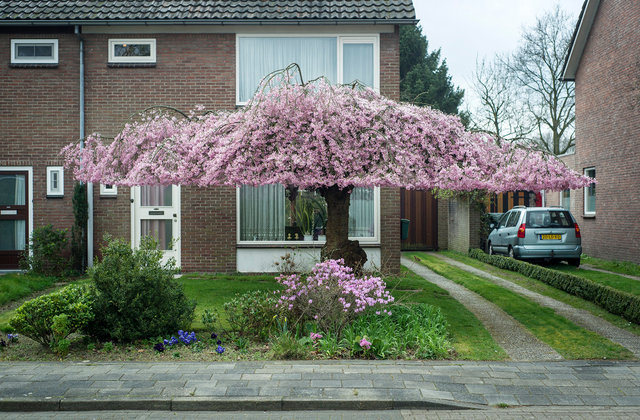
(14, 217)
(156, 213)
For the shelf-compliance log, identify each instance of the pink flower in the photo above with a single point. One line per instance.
(365, 344)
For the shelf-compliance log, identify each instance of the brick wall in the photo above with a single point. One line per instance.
(190, 70)
(608, 131)
(40, 115)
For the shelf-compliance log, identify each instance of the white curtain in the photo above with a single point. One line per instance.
(262, 213)
(259, 56)
(357, 63)
(20, 225)
(361, 214)
(155, 195)
(161, 230)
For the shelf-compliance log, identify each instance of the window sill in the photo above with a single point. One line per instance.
(296, 244)
(55, 196)
(34, 65)
(108, 197)
(589, 216)
(131, 65)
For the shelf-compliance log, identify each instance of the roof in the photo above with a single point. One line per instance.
(89, 12)
(579, 39)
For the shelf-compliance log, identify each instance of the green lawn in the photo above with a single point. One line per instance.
(622, 267)
(617, 282)
(468, 336)
(568, 339)
(546, 290)
(14, 286)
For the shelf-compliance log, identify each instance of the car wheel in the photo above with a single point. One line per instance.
(491, 251)
(511, 253)
(574, 262)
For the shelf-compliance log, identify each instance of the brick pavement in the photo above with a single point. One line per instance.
(316, 385)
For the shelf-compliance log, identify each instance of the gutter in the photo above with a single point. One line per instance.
(82, 135)
(221, 22)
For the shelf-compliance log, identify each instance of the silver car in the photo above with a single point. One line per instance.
(537, 233)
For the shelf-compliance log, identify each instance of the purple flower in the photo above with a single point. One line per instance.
(214, 336)
(365, 344)
(219, 342)
(220, 350)
(159, 347)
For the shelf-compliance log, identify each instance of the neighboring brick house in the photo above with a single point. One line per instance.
(605, 65)
(180, 53)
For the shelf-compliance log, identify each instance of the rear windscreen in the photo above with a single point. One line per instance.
(549, 219)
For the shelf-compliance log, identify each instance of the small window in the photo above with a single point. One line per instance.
(132, 50)
(590, 194)
(55, 181)
(565, 199)
(108, 190)
(34, 51)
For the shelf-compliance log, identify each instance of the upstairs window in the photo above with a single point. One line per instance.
(341, 59)
(132, 50)
(34, 51)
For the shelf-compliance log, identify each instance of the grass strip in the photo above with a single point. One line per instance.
(14, 286)
(621, 267)
(617, 282)
(469, 338)
(568, 339)
(546, 290)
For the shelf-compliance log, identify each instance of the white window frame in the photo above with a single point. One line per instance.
(132, 60)
(59, 172)
(34, 60)
(108, 190)
(369, 240)
(561, 198)
(340, 39)
(586, 189)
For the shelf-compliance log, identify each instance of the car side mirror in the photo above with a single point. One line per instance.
(492, 226)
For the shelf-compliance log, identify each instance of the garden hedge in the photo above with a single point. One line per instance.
(615, 301)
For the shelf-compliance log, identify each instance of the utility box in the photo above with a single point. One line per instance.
(404, 229)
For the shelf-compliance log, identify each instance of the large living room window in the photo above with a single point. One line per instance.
(271, 213)
(341, 59)
(590, 194)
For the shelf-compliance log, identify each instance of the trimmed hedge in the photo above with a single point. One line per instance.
(615, 301)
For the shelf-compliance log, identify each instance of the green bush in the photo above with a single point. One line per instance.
(615, 301)
(50, 318)
(135, 295)
(49, 253)
(252, 313)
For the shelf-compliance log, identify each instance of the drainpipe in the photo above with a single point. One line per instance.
(82, 134)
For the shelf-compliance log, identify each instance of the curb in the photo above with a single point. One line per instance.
(226, 404)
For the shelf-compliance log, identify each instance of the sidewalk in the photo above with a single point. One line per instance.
(316, 385)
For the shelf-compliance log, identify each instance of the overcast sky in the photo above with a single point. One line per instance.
(470, 29)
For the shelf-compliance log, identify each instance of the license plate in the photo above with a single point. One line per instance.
(550, 237)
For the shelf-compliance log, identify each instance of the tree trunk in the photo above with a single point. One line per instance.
(338, 244)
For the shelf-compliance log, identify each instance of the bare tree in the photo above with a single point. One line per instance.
(501, 112)
(537, 67)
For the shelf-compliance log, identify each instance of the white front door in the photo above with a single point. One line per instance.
(156, 213)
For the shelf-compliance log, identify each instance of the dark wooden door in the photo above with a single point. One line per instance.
(14, 220)
(421, 209)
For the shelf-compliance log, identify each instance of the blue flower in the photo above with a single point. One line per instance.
(159, 347)
(220, 349)
(219, 342)
(214, 336)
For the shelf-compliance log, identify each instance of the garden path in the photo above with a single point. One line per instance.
(512, 336)
(580, 317)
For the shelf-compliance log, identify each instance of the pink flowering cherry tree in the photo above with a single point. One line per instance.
(318, 136)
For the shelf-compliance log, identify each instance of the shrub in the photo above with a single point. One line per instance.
(50, 318)
(615, 301)
(417, 330)
(332, 296)
(136, 296)
(252, 313)
(48, 247)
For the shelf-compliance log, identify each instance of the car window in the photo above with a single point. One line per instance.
(549, 219)
(503, 220)
(513, 219)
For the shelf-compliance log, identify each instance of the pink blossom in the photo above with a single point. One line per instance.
(365, 344)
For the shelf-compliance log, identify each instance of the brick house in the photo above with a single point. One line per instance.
(604, 63)
(71, 68)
